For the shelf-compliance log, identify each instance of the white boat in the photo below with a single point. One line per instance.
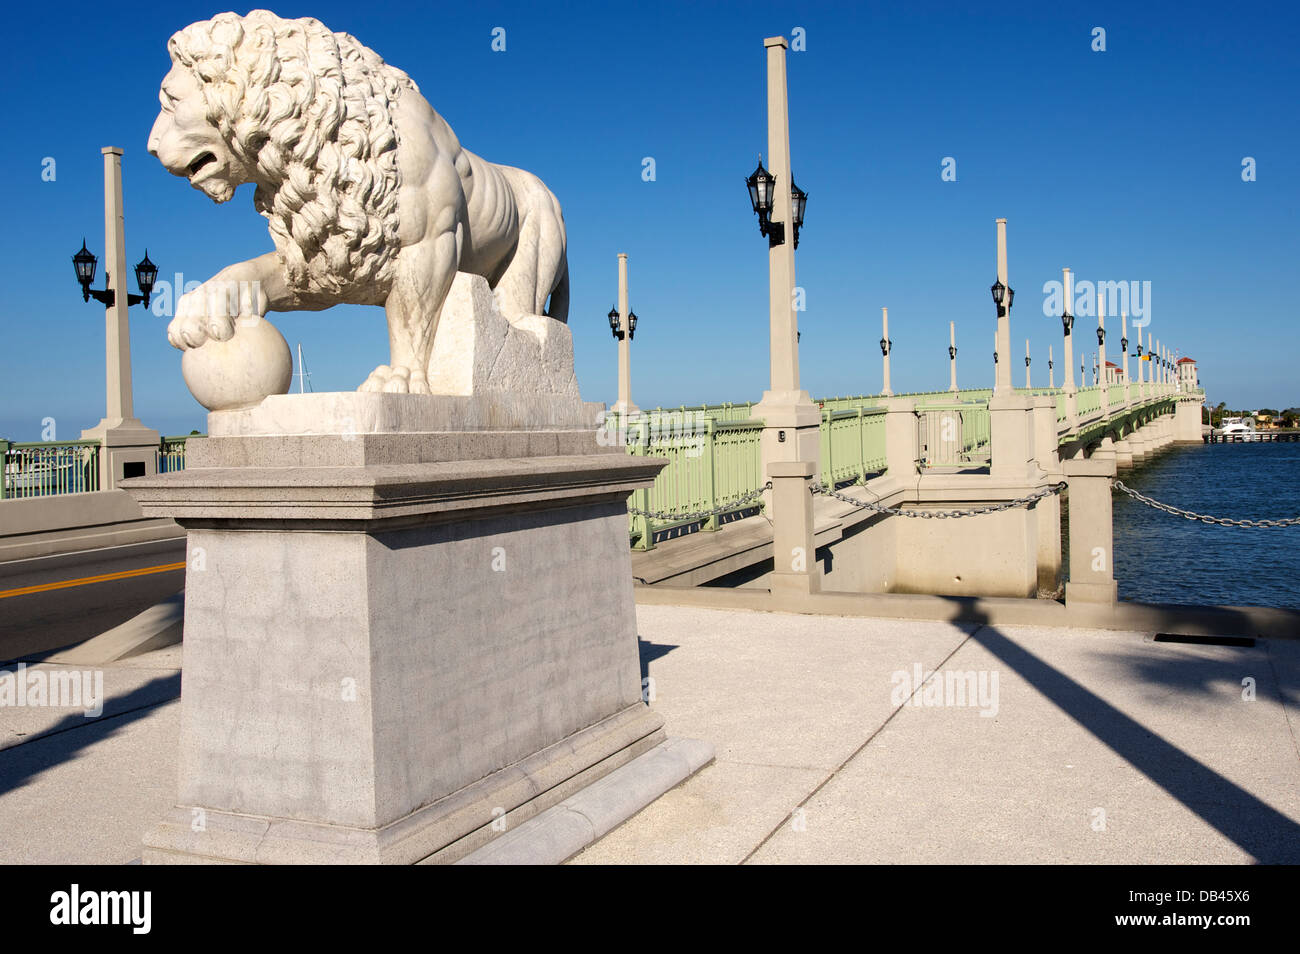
(1239, 428)
(37, 475)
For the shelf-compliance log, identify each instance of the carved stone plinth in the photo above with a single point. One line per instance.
(395, 639)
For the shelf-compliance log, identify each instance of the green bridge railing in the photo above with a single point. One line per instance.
(50, 468)
(714, 450)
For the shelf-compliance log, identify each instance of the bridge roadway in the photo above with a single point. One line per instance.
(51, 602)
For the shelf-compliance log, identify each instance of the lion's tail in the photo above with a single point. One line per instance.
(558, 308)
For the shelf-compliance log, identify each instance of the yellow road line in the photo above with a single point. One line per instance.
(62, 584)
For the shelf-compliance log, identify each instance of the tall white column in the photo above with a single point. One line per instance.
(128, 448)
(624, 405)
(1002, 379)
(791, 452)
(952, 355)
(1101, 350)
(1069, 336)
(1152, 369)
(1051, 369)
(1028, 385)
(1123, 337)
(884, 323)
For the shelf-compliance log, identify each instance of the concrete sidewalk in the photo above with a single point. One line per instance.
(1105, 747)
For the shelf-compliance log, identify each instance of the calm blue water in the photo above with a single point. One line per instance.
(1160, 558)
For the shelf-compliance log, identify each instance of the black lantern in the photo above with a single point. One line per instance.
(1050, 364)
(84, 263)
(1067, 322)
(761, 193)
(145, 273)
(1003, 296)
(1101, 337)
(995, 356)
(631, 325)
(1123, 345)
(798, 202)
(1026, 361)
(952, 353)
(886, 345)
(1139, 349)
(614, 324)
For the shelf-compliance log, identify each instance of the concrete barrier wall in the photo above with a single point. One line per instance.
(42, 526)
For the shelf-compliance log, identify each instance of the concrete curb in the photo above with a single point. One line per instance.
(1259, 621)
(563, 830)
(158, 626)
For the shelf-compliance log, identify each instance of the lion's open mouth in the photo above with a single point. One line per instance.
(203, 160)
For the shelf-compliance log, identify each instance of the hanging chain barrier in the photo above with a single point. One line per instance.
(1204, 518)
(702, 514)
(942, 514)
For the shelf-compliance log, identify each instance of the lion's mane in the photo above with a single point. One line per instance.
(309, 111)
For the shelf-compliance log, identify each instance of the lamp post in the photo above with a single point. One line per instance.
(1123, 348)
(128, 448)
(1003, 295)
(622, 323)
(1151, 386)
(886, 346)
(790, 443)
(1051, 375)
(1101, 348)
(1028, 386)
(1067, 327)
(952, 356)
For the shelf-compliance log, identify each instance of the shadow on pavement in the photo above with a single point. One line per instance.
(74, 734)
(1253, 825)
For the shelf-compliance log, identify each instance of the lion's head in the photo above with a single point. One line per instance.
(303, 113)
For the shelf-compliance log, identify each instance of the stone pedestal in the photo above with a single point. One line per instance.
(794, 558)
(1011, 432)
(127, 449)
(405, 630)
(1092, 554)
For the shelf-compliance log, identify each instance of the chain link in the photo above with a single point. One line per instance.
(1204, 518)
(941, 514)
(701, 514)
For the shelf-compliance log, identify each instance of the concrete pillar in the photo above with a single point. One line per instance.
(128, 448)
(1123, 338)
(1002, 375)
(1092, 572)
(1051, 372)
(1028, 385)
(1071, 405)
(794, 558)
(902, 450)
(1010, 422)
(1101, 353)
(952, 356)
(624, 405)
(885, 389)
(791, 420)
(1048, 510)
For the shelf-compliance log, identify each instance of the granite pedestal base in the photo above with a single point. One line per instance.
(398, 645)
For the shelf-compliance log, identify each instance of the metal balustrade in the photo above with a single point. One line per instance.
(715, 460)
(51, 468)
(45, 468)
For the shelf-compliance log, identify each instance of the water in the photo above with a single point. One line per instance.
(1160, 558)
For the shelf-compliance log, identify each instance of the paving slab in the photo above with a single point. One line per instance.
(1104, 747)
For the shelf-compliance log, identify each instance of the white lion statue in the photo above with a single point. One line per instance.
(370, 197)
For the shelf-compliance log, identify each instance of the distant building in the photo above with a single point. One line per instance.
(1187, 380)
(1114, 374)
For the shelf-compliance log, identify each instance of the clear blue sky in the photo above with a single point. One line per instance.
(1123, 165)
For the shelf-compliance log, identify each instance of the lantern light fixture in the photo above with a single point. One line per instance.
(84, 263)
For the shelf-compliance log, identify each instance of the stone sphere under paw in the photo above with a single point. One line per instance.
(252, 364)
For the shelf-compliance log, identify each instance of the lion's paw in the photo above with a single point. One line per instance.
(396, 380)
